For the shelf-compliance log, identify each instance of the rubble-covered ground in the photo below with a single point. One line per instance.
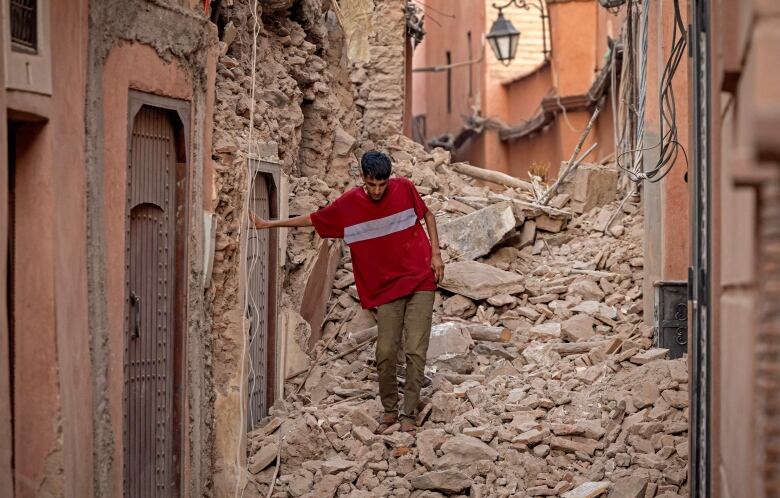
(543, 379)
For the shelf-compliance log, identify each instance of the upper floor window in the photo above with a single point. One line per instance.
(24, 25)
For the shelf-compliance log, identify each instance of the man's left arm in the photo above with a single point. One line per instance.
(436, 263)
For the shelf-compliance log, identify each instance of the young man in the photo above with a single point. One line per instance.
(396, 270)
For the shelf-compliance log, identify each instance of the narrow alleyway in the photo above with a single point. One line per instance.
(543, 380)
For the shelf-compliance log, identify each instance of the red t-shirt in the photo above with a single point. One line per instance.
(391, 254)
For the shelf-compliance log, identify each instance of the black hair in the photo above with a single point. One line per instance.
(376, 165)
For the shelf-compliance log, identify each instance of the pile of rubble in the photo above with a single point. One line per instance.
(542, 377)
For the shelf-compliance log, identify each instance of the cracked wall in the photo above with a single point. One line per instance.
(314, 112)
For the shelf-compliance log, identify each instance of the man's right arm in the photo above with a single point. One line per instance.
(298, 221)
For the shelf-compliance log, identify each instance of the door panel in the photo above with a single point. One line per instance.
(149, 309)
(257, 264)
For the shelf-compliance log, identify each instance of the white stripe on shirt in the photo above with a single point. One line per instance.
(380, 227)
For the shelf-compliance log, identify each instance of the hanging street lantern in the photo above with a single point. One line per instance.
(503, 38)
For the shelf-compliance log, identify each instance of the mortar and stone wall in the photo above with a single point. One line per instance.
(316, 111)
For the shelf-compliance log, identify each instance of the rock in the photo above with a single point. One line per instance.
(593, 186)
(577, 328)
(465, 450)
(587, 289)
(360, 416)
(480, 281)
(541, 355)
(461, 306)
(530, 438)
(448, 338)
(543, 299)
(463, 363)
(541, 450)
(325, 487)
(501, 300)
(544, 222)
(560, 200)
(488, 349)
(342, 142)
(446, 406)
(527, 234)
(677, 399)
(589, 307)
(399, 440)
(588, 490)
(528, 312)
(363, 434)
(592, 374)
(649, 355)
(549, 330)
(449, 481)
(572, 446)
(477, 233)
(617, 230)
(679, 371)
(645, 394)
(263, 458)
(428, 441)
(336, 465)
(600, 223)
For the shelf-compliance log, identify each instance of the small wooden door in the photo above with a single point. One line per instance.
(149, 445)
(258, 274)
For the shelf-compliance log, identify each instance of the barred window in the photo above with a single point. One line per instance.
(24, 25)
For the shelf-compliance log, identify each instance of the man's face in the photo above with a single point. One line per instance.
(374, 188)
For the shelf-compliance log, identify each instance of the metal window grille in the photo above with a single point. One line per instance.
(24, 25)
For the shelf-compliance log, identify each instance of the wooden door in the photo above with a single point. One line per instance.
(258, 274)
(149, 445)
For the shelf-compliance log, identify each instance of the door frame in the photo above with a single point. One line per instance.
(180, 109)
(272, 172)
(700, 273)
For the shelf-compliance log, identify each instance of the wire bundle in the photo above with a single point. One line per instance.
(669, 144)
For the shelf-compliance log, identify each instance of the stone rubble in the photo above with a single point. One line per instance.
(572, 401)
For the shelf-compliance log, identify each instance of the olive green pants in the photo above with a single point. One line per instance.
(411, 314)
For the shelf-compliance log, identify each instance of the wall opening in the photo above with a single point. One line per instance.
(32, 373)
(261, 294)
(469, 57)
(24, 25)
(155, 296)
(449, 81)
(10, 289)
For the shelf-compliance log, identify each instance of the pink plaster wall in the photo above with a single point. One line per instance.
(69, 57)
(53, 405)
(448, 32)
(128, 66)
(36, 404)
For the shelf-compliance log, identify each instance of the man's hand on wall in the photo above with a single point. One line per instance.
(258, 222)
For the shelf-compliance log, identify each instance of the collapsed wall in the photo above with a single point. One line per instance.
(314, 110)
(542, 379)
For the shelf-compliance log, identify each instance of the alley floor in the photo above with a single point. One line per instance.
(543, 380)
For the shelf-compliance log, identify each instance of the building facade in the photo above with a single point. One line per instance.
(144, 330)
(744, 45)
(108, 126)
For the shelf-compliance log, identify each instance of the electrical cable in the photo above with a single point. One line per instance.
(244, 221)
(668, 143)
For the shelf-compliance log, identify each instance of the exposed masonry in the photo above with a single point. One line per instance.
(544, 381)
(316, 111)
